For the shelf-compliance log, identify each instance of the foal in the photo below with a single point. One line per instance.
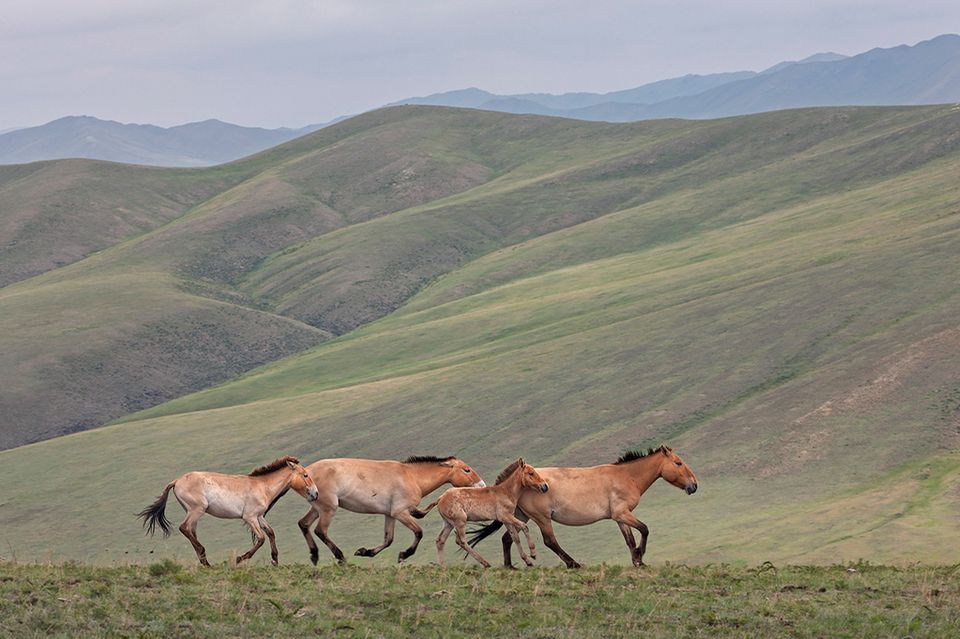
(246, 497)
(457, 506)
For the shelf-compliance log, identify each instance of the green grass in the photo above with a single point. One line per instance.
(168, 599)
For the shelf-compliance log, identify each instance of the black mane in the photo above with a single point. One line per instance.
(426, 459)
(506, 472)
(633, 455)
(276, 464)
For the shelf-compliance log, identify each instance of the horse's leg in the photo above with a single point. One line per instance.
(626, 521)
(305, 523)
(259, 537)
(550, 541)
(460, 527)
(631, 542)
(326, 516)
(189, 530)
(442, 539)
(405, 518)
(506, 540)
(515, 535)
(272, 536)
(388, 526)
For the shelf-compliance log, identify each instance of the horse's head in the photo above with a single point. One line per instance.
(302, 482)
(461, 475)
(530, 478)
(676, 471)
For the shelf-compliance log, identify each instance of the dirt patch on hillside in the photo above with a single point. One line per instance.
(890, 375)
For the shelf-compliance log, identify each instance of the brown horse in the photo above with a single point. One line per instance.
(389, 488)
(457, 506)
(581, 496)
(247, 497)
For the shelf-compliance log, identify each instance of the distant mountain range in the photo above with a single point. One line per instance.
(926, 73)
(195, 144)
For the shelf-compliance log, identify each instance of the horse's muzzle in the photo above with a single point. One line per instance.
(544, 487)
(312, 495)
(480, 484)
(691, 488)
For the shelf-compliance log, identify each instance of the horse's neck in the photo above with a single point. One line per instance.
(429, 477)
(643, 471)
(511, 486)
(276, 482)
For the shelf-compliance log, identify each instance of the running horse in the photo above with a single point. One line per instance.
(457, 506)
(247, 497)
(384, 487)
(582, 496)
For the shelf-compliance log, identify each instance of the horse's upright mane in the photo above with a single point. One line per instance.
(426, 459)
(506, 472)
(276, 464)
(633, 455)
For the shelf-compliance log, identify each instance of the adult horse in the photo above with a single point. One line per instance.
(581, 496)
(384, 487)
(247, 497)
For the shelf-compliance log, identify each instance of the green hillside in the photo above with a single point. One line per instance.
(774, 296)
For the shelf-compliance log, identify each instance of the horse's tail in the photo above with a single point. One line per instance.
(154, 516)
(420, 514)
(479, 534)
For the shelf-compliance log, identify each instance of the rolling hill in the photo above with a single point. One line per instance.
(773, 295)
(193, 144)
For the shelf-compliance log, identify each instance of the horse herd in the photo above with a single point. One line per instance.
(575, 496)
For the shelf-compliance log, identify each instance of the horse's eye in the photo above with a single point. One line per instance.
(678, 463)
(466, 470)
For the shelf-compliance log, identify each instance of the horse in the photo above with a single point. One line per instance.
(581, 496)
(385, 487)
(457, 506)
(247, 497)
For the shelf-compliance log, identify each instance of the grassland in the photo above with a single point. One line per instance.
(774, 296)
(168, 600)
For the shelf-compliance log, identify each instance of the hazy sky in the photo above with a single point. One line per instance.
(294, 62)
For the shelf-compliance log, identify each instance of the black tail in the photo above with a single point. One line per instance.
(153, 514)
(480, 533)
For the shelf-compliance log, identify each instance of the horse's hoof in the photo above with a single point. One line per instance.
(573, 565)
(314, 557)
(364, 552)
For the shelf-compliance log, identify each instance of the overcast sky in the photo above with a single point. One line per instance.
(294, 62)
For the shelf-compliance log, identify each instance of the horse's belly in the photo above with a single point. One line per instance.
(578, 512)
(224, 504)
(369, 504)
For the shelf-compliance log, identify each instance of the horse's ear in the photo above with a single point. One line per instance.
(521, 462)
(666, 449)
(292, 465)
(448, 463)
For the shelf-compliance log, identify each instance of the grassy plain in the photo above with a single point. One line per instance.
(169, 600)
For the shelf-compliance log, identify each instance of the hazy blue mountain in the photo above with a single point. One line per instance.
(471, 98)
(926, 73)
(828, 56)
(194, 144)
(553, 104)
